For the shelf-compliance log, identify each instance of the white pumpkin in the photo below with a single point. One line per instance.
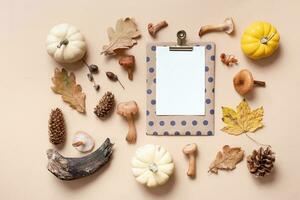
(65, 43)
(152, 165)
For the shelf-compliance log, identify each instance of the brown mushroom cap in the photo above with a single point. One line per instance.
(127, 109)
(127, 61)
(243, 82)
(230, 25)
(189, 148)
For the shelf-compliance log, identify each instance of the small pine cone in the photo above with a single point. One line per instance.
(56, 125)
(261, 162)
(105, 105)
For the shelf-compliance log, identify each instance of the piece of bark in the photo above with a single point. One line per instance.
(74, 168)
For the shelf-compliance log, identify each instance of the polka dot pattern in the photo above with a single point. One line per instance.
(151, 69)
(207, 101)
(153, 101)
(206, 68)
(162, 123)
(180, 125)
(151, 123)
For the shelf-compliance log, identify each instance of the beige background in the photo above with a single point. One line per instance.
(26, 100)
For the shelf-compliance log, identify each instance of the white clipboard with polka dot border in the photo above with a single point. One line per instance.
(180, 125)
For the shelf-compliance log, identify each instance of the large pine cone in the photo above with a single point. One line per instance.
(56, 127)
(105, 105)
(261, 162)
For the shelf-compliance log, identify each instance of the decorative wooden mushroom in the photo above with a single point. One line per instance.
(243, 82)
(128, 62)
(191, 151)
(227, 26)
(153, 29)
(129, 110)
(83, 142)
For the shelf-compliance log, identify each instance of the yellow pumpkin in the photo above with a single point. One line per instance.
(260, 40)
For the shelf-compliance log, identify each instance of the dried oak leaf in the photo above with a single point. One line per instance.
(227, 160)
(123, 37)
(243, 119)
(66, 86)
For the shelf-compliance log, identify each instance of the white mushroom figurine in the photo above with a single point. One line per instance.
(129, 110)
(83, 142)
(227, 26)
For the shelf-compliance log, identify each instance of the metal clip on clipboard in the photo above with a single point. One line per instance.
(181, 43)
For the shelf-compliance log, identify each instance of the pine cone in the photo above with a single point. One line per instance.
(105, 105)
(56, 127)
(261, 162)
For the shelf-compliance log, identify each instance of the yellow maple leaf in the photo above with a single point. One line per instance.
(243, 119)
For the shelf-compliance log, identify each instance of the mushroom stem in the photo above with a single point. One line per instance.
(130, 73)
(259, 83)
(77, 144)
(63, 42)
(131, 136)
(210, 28)
(192, 165)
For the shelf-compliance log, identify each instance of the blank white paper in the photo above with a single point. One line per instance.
(180, 81)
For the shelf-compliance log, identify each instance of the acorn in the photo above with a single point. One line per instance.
(244, 83)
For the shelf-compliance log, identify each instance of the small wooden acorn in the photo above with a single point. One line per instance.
(243, 82)
(113, 77)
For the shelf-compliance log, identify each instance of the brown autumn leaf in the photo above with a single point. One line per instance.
(123, 37)
(66, 86)
(227, 159)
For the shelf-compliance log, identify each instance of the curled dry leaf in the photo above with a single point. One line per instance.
(123, 37)
(228, 60)
(65, 85)
(227, 160)
(242, 120)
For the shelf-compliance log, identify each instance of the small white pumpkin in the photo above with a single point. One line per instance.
(65, 43)
(152, 165)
